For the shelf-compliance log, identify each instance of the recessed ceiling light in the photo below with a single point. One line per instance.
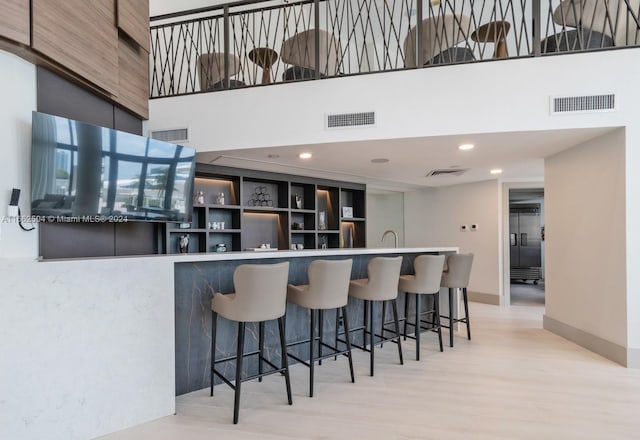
(496, 171)
(273, 156)
(465, 147)
(305, 155)
(380, 160)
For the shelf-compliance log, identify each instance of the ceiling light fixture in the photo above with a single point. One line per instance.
(496, 171)
(305, 155)
(380, 160)
(466, 147)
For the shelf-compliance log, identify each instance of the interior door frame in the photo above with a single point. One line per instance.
(505, 248)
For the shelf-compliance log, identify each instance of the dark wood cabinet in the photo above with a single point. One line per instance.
(243, 209)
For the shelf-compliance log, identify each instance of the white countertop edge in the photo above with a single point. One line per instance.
(249, 255)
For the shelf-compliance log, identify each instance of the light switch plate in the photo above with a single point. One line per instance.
(474, 227)
(463, 228)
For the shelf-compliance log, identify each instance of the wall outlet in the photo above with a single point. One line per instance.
(474, 227)
(463, 228)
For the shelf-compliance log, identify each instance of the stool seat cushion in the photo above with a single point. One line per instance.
(428, 271)
(382, 284)
(328, 286)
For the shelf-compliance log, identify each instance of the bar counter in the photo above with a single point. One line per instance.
(198, 276)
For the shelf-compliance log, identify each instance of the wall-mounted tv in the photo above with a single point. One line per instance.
(87, 172)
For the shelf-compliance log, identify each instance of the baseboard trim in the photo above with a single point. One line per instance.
(485, 298)
(607, 349)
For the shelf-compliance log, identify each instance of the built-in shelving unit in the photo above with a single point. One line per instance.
(244, 209)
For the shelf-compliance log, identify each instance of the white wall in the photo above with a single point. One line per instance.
(586, 285)
(385, 211)
(87, 347)
(435, 215)
(18, 91)
(632, 193)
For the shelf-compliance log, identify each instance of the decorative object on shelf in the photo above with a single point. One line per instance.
(216, 225)
(322, 220)
(347, 211)
(221, 247)
(200, 198)
(260, 197)
(297, 201)
(299, 246)
(183, 242)
(324, 243)
(220, 199)
(184, 226)
(293, 246)
(296, 226)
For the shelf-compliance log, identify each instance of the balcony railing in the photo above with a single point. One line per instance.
(250, 43)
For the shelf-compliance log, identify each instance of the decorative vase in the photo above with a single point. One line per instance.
(184, 243)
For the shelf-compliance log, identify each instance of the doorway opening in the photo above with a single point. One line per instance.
(526, 246)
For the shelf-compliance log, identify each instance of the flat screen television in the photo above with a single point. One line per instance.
(83, 172)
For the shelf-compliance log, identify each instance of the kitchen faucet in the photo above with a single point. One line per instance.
(395, 236)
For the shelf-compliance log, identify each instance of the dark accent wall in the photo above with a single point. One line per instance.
(57, 96)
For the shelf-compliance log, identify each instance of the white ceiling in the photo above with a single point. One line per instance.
(520, 155)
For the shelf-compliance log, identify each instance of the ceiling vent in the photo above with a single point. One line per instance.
(447, 172)
(582, 104)
(364, 119)
(176, 135)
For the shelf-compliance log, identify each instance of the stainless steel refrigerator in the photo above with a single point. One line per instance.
(525, 234)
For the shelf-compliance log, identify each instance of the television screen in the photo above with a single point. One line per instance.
(91, 173)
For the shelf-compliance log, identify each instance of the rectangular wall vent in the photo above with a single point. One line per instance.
(175, 135)
(447, 172)
(362, 119)
(578, 104)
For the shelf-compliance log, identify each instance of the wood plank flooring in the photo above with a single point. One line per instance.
(514, 380)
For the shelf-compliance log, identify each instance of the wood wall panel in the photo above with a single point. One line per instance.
(133, 19)
(133, 78)
(14, 20)
(81, 35)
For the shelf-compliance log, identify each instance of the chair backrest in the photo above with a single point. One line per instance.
(457, 271)
(300, 50)
(611, 18)
(428, 272)
(439, 33)
(211, 69)
(329, 283)
(384, 273)
(261, 290)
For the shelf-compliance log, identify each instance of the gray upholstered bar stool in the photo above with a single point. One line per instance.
(426, 281)
(260, 295)
(456, 276)
(328, 289)
(382, 285)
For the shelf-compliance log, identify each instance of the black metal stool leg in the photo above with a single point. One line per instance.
(214, 325)
(320, 333)
(436, 317)
(466, 312)
(394, 305)
(384, 312)
(418, 326)
(285, 361)
(406, 313)
(261, 349)
(450, 317)
(371, 337)
(335, 358)
(345, 322)
(240, 349)
(365, 323)
(312, 337)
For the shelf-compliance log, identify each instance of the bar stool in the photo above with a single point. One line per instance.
(328, 289)
(260, 295)
(426, 281)
(382, 285)
(456, 276)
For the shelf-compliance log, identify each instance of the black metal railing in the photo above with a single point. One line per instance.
(262, 42)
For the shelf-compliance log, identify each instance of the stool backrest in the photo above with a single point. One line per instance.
(329, 283)
(261, 290)
(384, 273)
(456, 274)
(428, 272)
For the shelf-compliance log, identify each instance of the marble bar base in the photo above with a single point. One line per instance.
(195, 283)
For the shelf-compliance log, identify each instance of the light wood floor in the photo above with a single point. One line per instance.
(512, 381)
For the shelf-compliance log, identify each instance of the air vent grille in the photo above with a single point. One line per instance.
(447, 172)
(362, 119)
(175, 135)
(590, 103)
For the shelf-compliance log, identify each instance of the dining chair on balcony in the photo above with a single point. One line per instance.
(299, 51)
(441, 38)
(211, 71)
